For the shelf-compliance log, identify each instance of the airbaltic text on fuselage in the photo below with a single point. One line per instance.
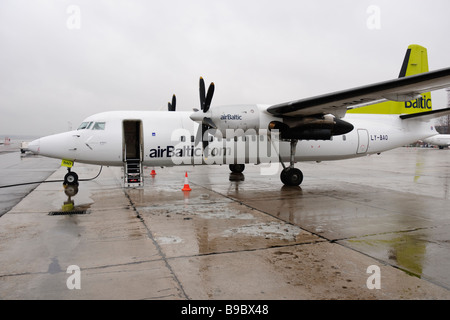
(230, 117)
(171, 151)
(422, 103)
(238, 145)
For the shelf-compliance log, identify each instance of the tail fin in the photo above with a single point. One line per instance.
(415, 62)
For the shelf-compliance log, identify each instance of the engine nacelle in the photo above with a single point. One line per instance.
(311, 128)
(244, 117)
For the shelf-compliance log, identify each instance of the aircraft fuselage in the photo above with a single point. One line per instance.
(162, 138)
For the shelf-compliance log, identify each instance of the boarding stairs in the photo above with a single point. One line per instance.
(133, 173)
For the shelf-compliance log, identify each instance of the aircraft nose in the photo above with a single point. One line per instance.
(34, 146)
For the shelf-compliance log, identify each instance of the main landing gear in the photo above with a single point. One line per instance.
(71, 178)
(291, 176)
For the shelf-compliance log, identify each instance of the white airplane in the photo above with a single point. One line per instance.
(378, 117)
(440, 140)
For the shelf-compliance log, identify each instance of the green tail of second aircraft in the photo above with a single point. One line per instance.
(415, 62)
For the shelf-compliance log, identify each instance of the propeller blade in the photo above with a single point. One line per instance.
(209, 97)
(201, 135)
(205, 140)
(172, 106)
(202, 93)
(207, 121)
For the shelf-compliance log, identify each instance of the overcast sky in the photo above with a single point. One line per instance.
(61, 61)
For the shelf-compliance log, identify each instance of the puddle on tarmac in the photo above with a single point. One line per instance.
(219, 210)
(169, 240)
(270, 230)
(406, 250)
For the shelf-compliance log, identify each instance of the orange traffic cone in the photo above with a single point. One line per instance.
(153, 173)
(186, 184)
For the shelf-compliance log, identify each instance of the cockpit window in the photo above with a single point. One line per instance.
(99, 126)
(83, 126)
(92, 125)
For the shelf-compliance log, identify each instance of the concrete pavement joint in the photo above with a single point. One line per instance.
(158, 248)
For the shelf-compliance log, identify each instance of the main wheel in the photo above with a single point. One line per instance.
(291, 176)
(237, 168)
(71, 178)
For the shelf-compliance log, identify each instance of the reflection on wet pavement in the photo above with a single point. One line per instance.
(380, 212)
(68, 207)
(238, 236)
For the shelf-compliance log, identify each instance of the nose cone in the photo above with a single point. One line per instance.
(34, 146)
(59, 146)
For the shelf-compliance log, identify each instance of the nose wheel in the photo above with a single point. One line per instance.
(71, 178)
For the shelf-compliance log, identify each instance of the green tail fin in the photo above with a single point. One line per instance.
(415, 62)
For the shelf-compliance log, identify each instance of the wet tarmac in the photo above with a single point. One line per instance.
(237, 236)
(17, 168)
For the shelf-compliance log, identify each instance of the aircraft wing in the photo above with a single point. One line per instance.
(337, 103)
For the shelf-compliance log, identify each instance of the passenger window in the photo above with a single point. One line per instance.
(99, 126)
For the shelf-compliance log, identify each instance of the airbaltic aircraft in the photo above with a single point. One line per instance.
(378, 117)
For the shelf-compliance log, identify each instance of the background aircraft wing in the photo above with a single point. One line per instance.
(337, 103)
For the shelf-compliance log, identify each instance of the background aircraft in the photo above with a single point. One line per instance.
(440, 140)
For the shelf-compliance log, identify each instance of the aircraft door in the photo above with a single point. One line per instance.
(132, 140)
(363, 141)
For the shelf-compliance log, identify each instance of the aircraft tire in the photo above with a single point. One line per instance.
(71, 178)
(291, 177)
(237, 168)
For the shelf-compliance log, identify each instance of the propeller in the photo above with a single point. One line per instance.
(172, 106)
(204, 116)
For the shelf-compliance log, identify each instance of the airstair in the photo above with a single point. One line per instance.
(133, 173)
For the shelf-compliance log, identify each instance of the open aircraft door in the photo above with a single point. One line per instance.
(133, 152)
(132, 140)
